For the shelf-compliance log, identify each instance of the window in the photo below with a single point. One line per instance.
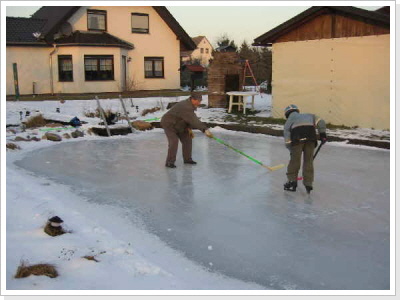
(154, 67)
(99, 67)
(201, 50)
(140, 23)
(65, 68)
(206, 50)
(97, 20)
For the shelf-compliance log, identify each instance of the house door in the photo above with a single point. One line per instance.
(123, 73)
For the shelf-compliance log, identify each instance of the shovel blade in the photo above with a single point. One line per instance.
(274, 168)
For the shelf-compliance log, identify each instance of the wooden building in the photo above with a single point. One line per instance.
(334, 62)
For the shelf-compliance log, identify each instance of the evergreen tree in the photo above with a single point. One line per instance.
(266, 61)
(224, 40)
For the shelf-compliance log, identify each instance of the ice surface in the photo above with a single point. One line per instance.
(232, 216)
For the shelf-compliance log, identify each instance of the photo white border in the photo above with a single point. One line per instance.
(392, 4)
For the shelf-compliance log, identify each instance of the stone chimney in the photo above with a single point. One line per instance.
(225, 74)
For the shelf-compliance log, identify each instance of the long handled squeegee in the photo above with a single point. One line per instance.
(274, 168)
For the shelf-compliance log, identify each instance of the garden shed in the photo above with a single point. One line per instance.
(193, 75)
(334, 62)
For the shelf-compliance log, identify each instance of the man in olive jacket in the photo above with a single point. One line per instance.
(177, 124)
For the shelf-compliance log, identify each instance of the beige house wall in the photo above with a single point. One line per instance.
(346, 81)
(161, 41)
(33, 66)
(79, 84)
(203, 57)
(33, 62)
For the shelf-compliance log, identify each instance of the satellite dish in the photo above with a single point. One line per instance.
(37, 34)
(66, 29)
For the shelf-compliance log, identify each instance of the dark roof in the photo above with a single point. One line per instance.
(366, 16)
(102, 39)
(58, 15)
(198, 39)
(226, 48)
(194, 68)
(384, 10)
(55, 16)
(20, 31)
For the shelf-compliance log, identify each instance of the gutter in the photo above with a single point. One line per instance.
(51, 69)
(125, 46)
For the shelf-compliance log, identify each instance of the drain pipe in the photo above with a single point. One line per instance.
(51, 69)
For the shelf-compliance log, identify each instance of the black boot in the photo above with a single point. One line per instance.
(290, 186)
(309, 188)
(190, 162)
(170, 165)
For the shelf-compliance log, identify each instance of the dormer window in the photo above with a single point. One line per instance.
(140, 23)
(97, 19)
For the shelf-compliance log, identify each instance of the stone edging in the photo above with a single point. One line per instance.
(253, 129)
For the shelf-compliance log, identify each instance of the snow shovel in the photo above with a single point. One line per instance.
(274, 168)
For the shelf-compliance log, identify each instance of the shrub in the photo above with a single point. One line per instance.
(39, 270)
(12, 146)
(35, 121)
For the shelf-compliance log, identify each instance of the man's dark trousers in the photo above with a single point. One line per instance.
(173, 140)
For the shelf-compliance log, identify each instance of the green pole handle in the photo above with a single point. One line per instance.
(154, 119)
(238, 151)
(16, 84)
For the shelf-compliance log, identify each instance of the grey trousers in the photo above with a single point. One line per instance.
(173, 140)
(307, 149)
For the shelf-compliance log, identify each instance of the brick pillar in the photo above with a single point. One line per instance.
(223, 64)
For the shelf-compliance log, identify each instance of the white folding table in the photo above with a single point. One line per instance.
(242, 99)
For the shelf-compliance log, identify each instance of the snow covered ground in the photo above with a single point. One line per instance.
(16, 112)
(131, 240)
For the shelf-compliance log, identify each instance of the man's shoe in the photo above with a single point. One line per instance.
(170, 165)
(309, 188)
(290, 186)
(190, 162)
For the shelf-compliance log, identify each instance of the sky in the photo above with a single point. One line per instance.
(239, 23)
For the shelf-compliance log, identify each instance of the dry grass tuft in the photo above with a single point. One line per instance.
(151, 110)
(96, 113)
(12, 146)
(53, 125)
(35, 121)
(142, 125)
(53, 231)
(37, 270)
(88, 257)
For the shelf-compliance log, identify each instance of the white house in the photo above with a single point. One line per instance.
(203, 51)
(87, 49)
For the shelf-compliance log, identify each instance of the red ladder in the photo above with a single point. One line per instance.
(247, 67)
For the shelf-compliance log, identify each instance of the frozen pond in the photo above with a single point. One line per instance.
(232, 216)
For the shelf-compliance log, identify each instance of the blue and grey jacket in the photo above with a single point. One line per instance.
(301, 127)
